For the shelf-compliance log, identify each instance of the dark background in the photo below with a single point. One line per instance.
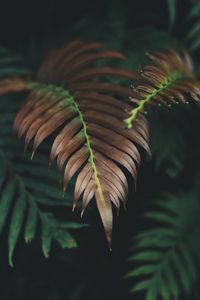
(133, 26)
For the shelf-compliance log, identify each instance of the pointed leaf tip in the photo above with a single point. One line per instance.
(10, 261)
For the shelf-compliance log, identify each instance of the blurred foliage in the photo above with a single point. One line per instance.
(30, 29)
(169, 147)
(192, 37)
(167, 253)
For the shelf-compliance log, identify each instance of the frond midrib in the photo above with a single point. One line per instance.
(174, 77)
(60, 91)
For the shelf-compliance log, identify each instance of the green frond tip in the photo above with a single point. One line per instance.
(172, 8)
(31, 222)
(65, 240)
(16, 220)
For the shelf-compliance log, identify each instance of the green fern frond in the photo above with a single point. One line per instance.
(192, 37)
(167, 255)
(19, 207)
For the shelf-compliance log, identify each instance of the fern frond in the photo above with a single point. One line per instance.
(168, 253)
(18, 205)
(192, 37)
(166, 82)
(70, 97)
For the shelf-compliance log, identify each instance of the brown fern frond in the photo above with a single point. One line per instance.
(167, 81)
(69, 96)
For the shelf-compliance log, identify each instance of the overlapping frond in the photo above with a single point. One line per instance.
(70, 97)
(167, 253)
(169, 80)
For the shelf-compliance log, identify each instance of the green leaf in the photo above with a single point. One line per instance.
(142, 285)
(182, 272)
(171, 281)
(162, 217)
(16, 221)
(172, 6)
(65, 239)
(146, 255)
(152, 293)
(143, 270)
(6, 199)
(31, 221)
(46, 236)
(164, 290)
